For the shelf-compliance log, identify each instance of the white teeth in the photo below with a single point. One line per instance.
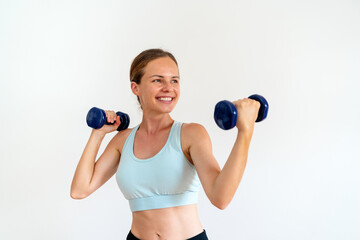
(165, 99)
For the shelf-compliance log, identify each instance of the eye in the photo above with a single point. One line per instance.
(156, 80)
(174, 81)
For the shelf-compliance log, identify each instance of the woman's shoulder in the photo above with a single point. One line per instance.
(120, 138)
(192, 126)
(194, 130)
(193, 134)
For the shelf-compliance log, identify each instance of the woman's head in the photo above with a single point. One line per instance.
(154, 75)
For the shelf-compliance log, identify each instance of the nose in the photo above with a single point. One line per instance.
(167, 87)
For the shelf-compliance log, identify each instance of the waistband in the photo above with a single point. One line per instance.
(163, 201)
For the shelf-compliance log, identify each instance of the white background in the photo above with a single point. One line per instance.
(60, 58)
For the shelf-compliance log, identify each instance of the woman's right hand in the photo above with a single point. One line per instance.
(110, 118)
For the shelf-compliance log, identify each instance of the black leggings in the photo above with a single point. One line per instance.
(200, 236)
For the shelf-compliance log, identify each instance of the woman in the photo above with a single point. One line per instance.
(161, 163)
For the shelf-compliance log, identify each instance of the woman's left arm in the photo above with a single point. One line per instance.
(220, 185)
(230, 176)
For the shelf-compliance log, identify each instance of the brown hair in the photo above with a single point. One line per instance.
(141, 60)
(139, 63)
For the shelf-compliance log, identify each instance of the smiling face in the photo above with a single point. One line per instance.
(159, 89)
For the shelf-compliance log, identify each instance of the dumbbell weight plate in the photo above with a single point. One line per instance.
(263, 111)
(96, 118)
(225, 114)
(124, 119)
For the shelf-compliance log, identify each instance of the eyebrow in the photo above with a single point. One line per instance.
(163, 76)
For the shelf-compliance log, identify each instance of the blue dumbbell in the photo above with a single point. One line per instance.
(96, 118)
(225, 113)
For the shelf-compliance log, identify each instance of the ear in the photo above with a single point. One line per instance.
(135, 88)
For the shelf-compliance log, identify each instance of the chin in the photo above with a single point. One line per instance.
(167, 110)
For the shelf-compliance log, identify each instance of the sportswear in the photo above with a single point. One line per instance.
(165, 180)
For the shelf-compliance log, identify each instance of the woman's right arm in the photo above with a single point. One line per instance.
(90, 175)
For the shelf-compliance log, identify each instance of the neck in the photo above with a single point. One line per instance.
(153, 124)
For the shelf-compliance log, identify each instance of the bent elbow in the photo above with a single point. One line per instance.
(77, 195)
(220, 205)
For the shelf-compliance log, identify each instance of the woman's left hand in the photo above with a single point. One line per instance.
(247, 113)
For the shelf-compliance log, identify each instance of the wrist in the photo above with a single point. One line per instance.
(98, 134)
(245, 135)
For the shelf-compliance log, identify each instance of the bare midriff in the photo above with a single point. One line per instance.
(175, 223)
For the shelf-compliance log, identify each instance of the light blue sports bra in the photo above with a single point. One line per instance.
(165, 180)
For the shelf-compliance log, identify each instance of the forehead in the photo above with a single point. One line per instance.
(162, 66)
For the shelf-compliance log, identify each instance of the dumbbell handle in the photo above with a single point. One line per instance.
(96, 118)
(226, 114)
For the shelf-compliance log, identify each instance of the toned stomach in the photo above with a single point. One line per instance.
(175, 223)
